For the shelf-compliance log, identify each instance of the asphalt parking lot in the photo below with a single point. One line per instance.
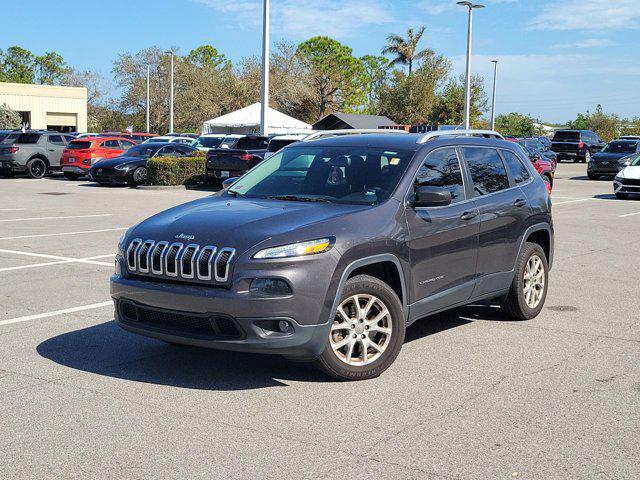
(471, 396)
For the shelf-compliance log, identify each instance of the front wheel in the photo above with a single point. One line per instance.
(367, 332)
(587, 157)
(36, 168)
(593, 176)
(529, 286)
(139, 176)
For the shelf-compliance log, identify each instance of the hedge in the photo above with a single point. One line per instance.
(177, 170)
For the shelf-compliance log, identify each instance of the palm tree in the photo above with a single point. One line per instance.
(404, 49)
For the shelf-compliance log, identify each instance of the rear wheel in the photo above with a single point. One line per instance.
(71, 176)
(139, 176)
(529, 286)
(367, 332)
(36, 168)
(622, 196)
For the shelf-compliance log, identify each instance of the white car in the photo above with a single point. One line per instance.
(627, 181)
(170, 139)
(83, 135)
(208, 141)
(280, 141)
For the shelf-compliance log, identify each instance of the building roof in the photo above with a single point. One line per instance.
(340, 121)
(247, 117)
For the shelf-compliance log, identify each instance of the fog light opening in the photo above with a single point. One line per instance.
(270, 287)
(285, 327)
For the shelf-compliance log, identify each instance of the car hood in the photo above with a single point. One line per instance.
(243, 223)
(632, 172)
(610, 156)
(112, 162)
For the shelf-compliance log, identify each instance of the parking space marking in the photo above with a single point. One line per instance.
(90, 260)
(56, 218)
(64, 233)
(55, 313)
(629, 214)
(12, 209)
(58, 262)
(573, 201)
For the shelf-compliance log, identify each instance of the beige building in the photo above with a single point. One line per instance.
(46, 106)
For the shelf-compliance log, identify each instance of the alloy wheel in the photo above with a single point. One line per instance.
(361, 330)
(534, 281)
(140, 175)
(38, 169)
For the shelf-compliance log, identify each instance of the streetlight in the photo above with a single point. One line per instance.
(148, 88)
(171, 94)
(467, 96)
(493, 103)
(264, 97)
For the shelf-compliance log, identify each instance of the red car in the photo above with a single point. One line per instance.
(81, 154)
(543, 166)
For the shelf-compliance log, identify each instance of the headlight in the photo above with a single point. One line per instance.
(121, 242)
(296, 249)
(122, 166)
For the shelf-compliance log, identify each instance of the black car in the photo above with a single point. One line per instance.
(613, 158)
(130, 168)
(328, 250)
(536, 145)
(545, 141)
(576, 145)
(236, 155)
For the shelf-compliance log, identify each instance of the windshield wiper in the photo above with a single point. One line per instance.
(233, 193)
(293, 198)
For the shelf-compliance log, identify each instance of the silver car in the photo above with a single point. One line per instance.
(35, 153)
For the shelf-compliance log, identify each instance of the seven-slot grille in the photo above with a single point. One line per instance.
(178, 261)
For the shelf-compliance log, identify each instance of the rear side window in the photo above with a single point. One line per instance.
(28, 138)
(517, 171)
(252, 143)
(79, 145)
(442, 169)
(111, 144)
(567, 136)
(487, 170)
(56, 139)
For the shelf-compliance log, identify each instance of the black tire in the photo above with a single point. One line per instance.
(622, 196)
(71, 176)
(515, 304)
(139, 176)
(593, 176)
(547, 182)
(36, 168)
(328, 360)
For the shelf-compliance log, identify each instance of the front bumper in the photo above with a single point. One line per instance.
(111, 177)
(626, 186)
(604, 168)
(9, 166)
(75, 169)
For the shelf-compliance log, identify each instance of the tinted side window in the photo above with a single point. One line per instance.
(125, 145)
(252, 143)
(442, 169)
(56, 140)
(487, 170)
(111, 144)
(516, 169)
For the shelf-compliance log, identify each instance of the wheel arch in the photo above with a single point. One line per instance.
(542, 235)
(40, 157)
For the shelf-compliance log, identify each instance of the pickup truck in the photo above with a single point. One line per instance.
(35, 152)
(576, 145)
(236, 155)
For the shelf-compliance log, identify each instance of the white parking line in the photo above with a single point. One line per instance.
(59, 262)
(573, 201)
(64, 233)
(629, 214)
(56, 257)
(56, 218)
(55, 313)
(12, 209)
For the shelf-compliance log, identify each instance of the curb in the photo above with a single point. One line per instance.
(162, 187)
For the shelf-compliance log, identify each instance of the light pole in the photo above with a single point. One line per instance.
(171, 94)
(264, 98)
(148, 88)
(467, 95)
(493, 103)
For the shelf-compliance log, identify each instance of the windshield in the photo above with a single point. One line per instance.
(208, 142)
(142, 150)
(636, 162)
(355, 175)
(532, 145)
(620, 147)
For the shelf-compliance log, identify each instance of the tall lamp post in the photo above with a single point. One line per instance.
(264, 98)
(148, 88)
(171, 94)
(467, 96)
(493, 103)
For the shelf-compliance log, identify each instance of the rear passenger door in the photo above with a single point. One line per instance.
(504, 212)
(443, 241)
(55, 146)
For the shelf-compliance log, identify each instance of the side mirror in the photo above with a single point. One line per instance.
(228, 182)
(428, 196)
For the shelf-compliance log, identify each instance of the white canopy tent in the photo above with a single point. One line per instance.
(247, 120)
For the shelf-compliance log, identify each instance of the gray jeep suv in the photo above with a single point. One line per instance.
(34, 152)
(329, 249)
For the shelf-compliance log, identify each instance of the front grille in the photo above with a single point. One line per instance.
(177, 262)
(180, 323)
(630, 181)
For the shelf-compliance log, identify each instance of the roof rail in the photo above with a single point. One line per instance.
(353, 131)
(459, 133)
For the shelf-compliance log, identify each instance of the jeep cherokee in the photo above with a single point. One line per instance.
(328, 250)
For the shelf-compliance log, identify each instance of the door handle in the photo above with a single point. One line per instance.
(51, 150)
(468, 215)
(520, 202)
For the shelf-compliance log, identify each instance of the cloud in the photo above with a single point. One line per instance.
(298, 21)
(588, 43)
(438, 7)
(588, 15)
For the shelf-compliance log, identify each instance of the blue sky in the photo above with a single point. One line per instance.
(557, 57)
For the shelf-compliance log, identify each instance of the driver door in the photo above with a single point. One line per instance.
(443, 241)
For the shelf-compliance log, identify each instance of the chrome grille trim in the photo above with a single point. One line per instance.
(145, 247)
(134, 245)
(223, 278)
(195, 248)
(176, 270)
(212, 257)
(165, 247)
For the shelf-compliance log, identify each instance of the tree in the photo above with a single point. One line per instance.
(206, 56)
(605, 125)
(516, 125)
(404, 49)
(336, 76)
(8, 118)
(376, 75)
(449, 107)
(17, 65)
(50, 68)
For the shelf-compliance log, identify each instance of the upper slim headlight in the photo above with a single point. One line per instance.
(122, 166)
(296, 249)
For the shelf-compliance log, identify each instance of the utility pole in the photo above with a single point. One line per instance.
(493, 103)
(467, 95)
(264, 98)
(168, 52)
(148, 89)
